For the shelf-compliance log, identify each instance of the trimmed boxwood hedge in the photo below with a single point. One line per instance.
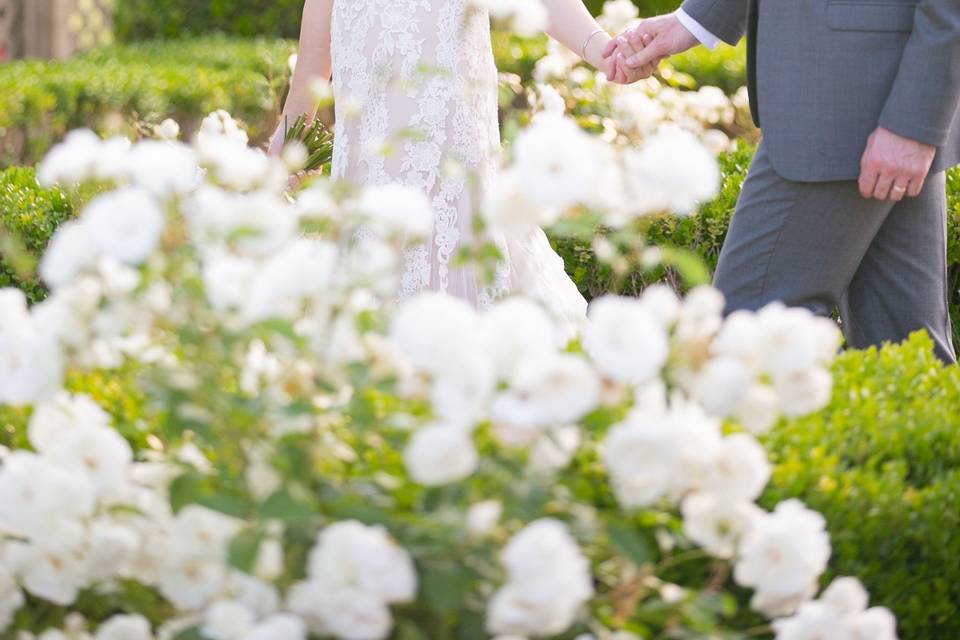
(119, 89)
(147, 19)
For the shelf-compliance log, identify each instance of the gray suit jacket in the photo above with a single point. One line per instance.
(825, 73)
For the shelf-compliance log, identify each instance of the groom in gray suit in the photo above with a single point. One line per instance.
(845, 203)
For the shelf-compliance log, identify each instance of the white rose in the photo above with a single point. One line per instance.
(716, 523)
(70, 252)
(125, 627)
(190, 582)
(507, 207)
(758, 409)
(352, 554)
(52, 567)
(482, 517)
(625, 340)
(556, 163)
(227, 280)
(549, 581)
(31, 363)
(721, 384)
(876, 623)
(95, 450)
(440, 454)
(672, 172)
(51, 420)
(168, 130)
(660, 452)
(635, 109)
(551, 100)
(34, 491)
(11, 598)
(662, 302)
(618, 14)
(227, 620)
(72, 161)
(202, 532)
(432, 330)
(514, 328)
(525, 17)
(281, 626)
(554, 449)
(345, 612)
(301, 271)
(783, 555)
(113, 547)
(125, 225)
(739, 470)
(257, 595)
(813, 620)
(549, 390)
(793, 339)
(221, 123)
(846, 595)
(461, 396)
(163, 169)
(804, 391)
(396, 210)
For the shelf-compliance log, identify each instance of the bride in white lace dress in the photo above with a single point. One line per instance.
(416, 103)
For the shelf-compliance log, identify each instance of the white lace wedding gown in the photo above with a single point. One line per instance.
(416, 102)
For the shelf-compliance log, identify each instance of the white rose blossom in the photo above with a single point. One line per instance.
(548, 583)
(782, 556)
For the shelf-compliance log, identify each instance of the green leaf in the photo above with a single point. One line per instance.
(187, 489)
(284, 507)
(231, 505)
(631, 543)
(691, 267)
(409, 631)
(243, 550)
(446, 587)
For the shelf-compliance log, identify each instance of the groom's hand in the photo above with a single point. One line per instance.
(666, 36)
(893, 166)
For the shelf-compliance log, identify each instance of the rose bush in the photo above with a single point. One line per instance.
(315, 460)
(311, 459)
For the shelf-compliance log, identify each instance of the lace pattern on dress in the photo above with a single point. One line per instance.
(417, 77)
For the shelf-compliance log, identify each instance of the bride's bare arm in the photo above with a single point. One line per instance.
(313, 61)
(572, 25)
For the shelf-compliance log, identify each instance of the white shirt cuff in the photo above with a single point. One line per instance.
(706, 38)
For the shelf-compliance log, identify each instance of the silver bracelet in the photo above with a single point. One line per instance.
(583, 49)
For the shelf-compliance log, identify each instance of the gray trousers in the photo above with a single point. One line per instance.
(823, 246)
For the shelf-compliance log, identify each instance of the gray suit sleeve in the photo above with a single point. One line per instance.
(926, 93)
(727, 19)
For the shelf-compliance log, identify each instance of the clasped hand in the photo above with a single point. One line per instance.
(637, 53)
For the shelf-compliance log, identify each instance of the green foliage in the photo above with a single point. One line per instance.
(29, 215)
(123, 89)
(881, 464)
(148, 19)
(953, 249)
(725, 67)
